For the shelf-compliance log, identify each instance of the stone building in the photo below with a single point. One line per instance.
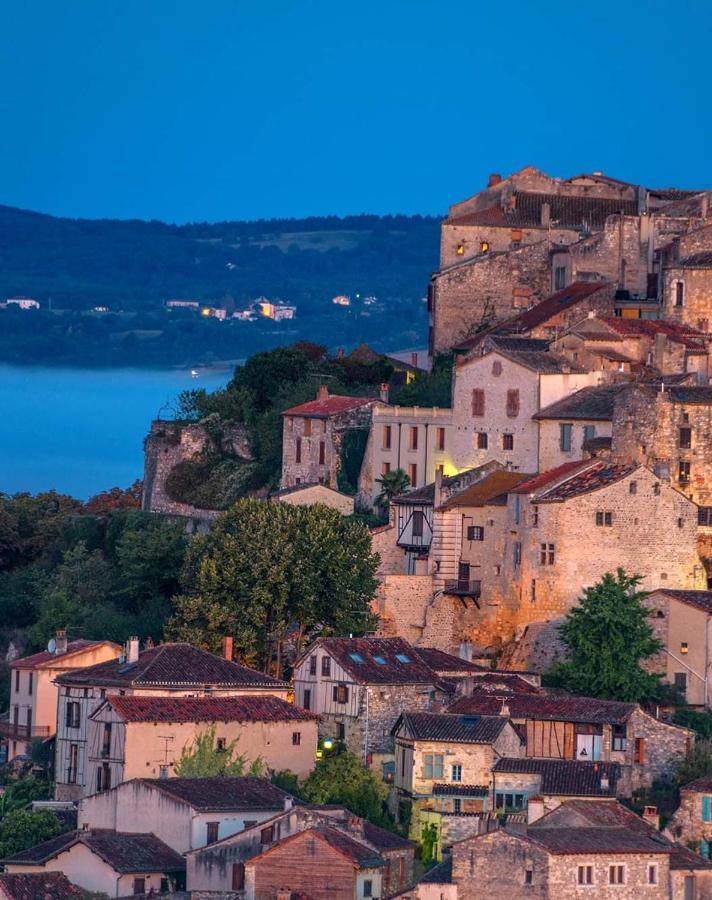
(686, 268)
(168, 670)
(668, 428)
(682, 621)
(312, 436)
(540, 785)
(692, 822)
(221, 866)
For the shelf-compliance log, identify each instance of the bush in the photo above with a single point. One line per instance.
(701, 722)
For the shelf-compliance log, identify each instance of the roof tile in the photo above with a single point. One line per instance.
(207, 709)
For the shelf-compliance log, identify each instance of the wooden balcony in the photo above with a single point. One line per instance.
(464, 590)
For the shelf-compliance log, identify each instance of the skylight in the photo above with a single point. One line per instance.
(401, 657)
(380, 660)
(356, 657)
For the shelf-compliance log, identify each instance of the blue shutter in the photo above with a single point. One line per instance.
(707, 809)
(705, 848)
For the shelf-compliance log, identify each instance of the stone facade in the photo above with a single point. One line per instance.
(692, 822)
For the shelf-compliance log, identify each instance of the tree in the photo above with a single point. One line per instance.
(205, 759)
(269, 566)
(393, 484)
(343, 779)
(607, 636)
(23, 828)
(697, 764)
(116, 498)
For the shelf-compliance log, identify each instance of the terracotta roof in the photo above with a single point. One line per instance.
(171, 665)
(332, 405)
(550, 477)
(541, 706)
(701, 394)
(446, 663)
(305, 486)
(40, 886)
(592, 841)
(587, 403)
(701, 600)
(635, 328)
(683, 858)
(44, 658)
(572, 212)
(554, 304)
(377, 660)
(699, 785)
(440, 874)
(462, 729)
(489, 489)
(600, 475)
(356, 852)
(565, 777)
(224, 793)
(125, 852)
(384, 840)
(206, 709)
(460, 790)
(543, 362)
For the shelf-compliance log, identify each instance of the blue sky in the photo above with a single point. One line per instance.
(227, 109)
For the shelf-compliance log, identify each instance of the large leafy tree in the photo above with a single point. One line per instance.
(268, 566)
(23, 828)
(607, 636)
(203, 758)
(343, 779)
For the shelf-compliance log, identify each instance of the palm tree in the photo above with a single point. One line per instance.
(393, 484)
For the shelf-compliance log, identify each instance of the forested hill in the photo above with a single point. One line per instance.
(81, 263)
(132, 267)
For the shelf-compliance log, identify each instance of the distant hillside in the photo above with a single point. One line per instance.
(132, 267)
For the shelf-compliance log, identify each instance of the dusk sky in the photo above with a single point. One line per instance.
(225, 109)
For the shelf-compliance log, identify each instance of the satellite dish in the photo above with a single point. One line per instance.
(52, 645)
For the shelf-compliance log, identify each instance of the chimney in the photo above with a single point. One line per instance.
(545, 214)
(605, 783)
(414, 358)
(652, 816)
(322, 392)
(493, 179)
(60, 642)
(227, 647)
(132, 649)
(384, 392)
(149, 642)
(704, 205)
(340, 353)
(535, 809)
(505, 709)
(438, 493)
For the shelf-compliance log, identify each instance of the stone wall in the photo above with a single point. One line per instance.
(696, 309)
(491, 865)
(687, 825)
(400, 603)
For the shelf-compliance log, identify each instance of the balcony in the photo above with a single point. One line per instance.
(464, 589)
(17, 732)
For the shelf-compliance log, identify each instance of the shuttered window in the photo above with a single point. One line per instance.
(513, 403)
(478, 402)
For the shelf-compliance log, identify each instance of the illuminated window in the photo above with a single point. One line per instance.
(460, 249)
(484, 246)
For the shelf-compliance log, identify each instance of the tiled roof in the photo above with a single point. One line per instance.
(699, 785)
(602, 442)
(368, 667)
(489, 489)
(172, 665)
(592, 841)
(587, 403)
(701, 394)
(543, 362)
(358, 853)
(540, 706)
(440, 874)
(613, 355)
(426, 494)
(460, 790)
(701, 600)
(333, 405)
(491, 680)
(683, 858)
(556, 303)
(565, 777)
(570, 212)
(40, 886)
(600, 475)
(244, 793)
(207, 709)
(445, 663)
(124, 852)
(384, 840)
(701, 260)
(462, 729)
(550, 477)
(634, 328)
(44, 657)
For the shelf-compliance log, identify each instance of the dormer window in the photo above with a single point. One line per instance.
(401, 657)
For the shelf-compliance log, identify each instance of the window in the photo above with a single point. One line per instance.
(707, 808)
(298, 450)
(17, 680)
(212, 832)
(481, 440)
(533, 591)
(652, 873)
(413, 474)
(418, 518)
(456, 774)
(356, 657)
(106, 740)
(565, 430)
(380, 660)
(238, 876)
(312, 665)
(528, 876)
(639, 751)
(386, 437)
(413, 437)
(326, 665)
(307, 427)
(680, 293)
(460, 249)
(432, 765)
(440, 439)
(559, 278)
(508, 442)
(512, 408)
(604, 519)
(267, 835)
(517, 509)
(546, 554)
(368, 888)
(340, 693)
(103, 778)
(509, 801)
(684, 472)
(633, 487)
(72, 767)
(385, 468)
(685, 438)
(72, 715)
(475, 533)
(401, 657)
(322, 453)
(457, 805)
(535, 516)
(306, 703)
(619, 734)
(656, 489)
(589, 432)
(517, 553)
(478, 402)
(616, 874)
(139, 885)
(484, 246)
(585, 875)
(30, 684)
(704, 515)
(680, 679)
(340, 731)
(690, 887)
(496, 368)
(684, 647)
(296, 738)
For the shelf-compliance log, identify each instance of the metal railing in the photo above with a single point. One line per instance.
(464, 588)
